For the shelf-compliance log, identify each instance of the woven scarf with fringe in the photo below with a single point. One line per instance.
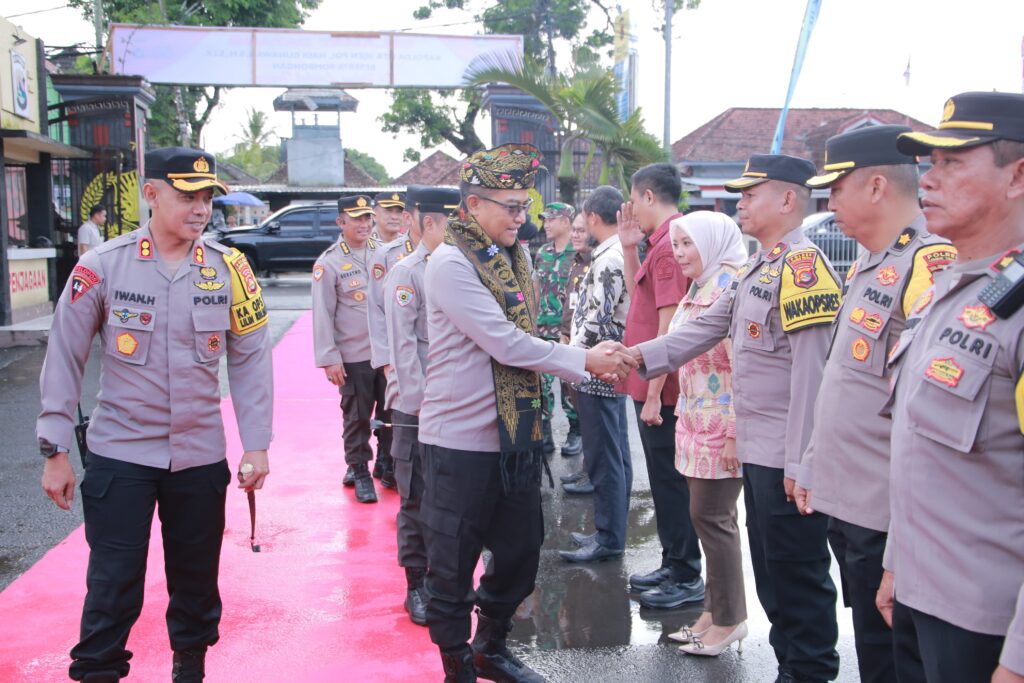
(517, 391)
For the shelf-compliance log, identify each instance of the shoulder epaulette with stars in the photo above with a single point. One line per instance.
(776, 251)
(904, 240)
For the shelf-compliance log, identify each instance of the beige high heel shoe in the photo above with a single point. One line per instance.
(685, 635)
(696, 647)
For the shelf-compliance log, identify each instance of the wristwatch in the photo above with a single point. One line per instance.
(48, 450)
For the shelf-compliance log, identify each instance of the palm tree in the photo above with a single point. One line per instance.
(584, 105)
(255, 130)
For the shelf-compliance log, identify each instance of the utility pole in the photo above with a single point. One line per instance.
(545, 7)
(669, 11)
(97, 22)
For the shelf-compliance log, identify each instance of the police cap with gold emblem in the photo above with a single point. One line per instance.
(508, 167)
(764, 167)
(355, 205)
(970, 119)
(184, 169)
(390, 200)
(426, 199)
(861, 148)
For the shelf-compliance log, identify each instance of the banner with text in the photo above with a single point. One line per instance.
(290, 58)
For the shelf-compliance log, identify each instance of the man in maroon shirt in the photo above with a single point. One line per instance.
(655, 288)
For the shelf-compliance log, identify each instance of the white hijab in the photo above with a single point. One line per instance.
(717, 238)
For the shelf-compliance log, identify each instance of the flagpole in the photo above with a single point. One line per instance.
(810, 18)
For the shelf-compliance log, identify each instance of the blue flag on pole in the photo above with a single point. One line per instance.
(810, 18)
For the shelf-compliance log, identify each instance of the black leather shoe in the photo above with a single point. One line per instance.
(638, 583)
(350, 477)
(549, 439)
(580, 487)
(582, 539)
(573, 443)
(571, 478)
(378, 468)
(189, 665)
(592, 552)
(365, 492)
(458, 666)
(491, 654)
(416, 606)
(672, 594)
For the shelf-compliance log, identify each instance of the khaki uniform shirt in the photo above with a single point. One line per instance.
(163, 336)
(847, 463)
(381, 261)
(956, 538)
(467, 328)
(405, 306)
(777, 311)
(340, 331)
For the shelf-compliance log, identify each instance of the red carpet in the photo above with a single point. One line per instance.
(321, 602)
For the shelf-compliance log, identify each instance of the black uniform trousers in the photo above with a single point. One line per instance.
(680, 549)
(412, 548)
(118, 499)
(362, 397)
(930, 650)
(789, 554)
(466, 509)
(605, 435)
(859, 553)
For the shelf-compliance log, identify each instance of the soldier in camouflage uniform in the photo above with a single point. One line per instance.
(551, 277)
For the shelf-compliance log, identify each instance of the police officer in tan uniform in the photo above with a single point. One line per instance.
(778, 314)
(381, 261)
(406, 320)
(480, 421)
(168, 306)
(341, 338)
(955, 551)
(845, 469)
(389, 217)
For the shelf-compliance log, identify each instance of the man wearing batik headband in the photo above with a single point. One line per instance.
(480, 421)
(168, 306)
(955, 551)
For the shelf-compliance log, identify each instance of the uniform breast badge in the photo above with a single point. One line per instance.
(976, 317)
(860, 349)
(887, 276)
(945, 371)
(127, 344)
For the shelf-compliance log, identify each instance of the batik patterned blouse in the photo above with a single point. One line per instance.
(705, 409)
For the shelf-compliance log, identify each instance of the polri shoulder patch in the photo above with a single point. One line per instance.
(809, 293)
(248, 312)
(927, 261)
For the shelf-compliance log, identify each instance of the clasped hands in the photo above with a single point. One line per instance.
(611, 361)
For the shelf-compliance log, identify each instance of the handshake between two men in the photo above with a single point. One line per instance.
(612, 362)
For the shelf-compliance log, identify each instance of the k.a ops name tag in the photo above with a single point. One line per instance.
(248, 311)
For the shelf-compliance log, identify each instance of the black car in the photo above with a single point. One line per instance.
(288, 240)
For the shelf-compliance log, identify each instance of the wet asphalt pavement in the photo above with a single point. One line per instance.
(579, 626)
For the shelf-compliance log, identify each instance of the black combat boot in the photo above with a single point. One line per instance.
(101, 677)
(365, 492)
(416, 595)
(573, 441)
(350, 477)
(549, 439)
(458, 665)
(491, 655)
(189, 665)
(387, 476)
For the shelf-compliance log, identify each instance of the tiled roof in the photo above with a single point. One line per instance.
(354, 176)
(436, 169)
(737, 133)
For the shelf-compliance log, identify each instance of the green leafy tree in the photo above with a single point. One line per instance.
(451, 116)
(583, 102)
(368, 165)
(254, 152)
(195, 104)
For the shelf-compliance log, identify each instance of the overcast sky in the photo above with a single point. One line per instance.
(726, 53)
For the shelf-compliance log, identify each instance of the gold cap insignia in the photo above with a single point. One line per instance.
(201, 165)
(360, 202)
(947, 111)
(395, 197)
